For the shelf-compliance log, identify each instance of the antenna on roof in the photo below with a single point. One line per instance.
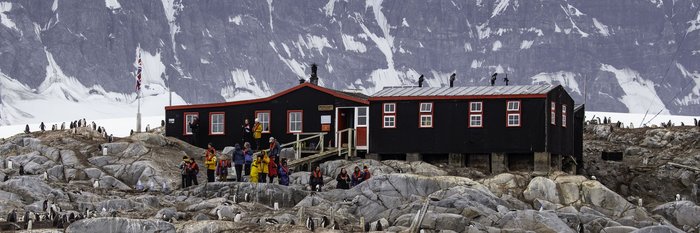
(420, 81)
(452, 79)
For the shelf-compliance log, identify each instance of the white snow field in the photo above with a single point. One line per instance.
(639, 119)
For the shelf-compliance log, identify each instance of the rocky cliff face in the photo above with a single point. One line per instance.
(635, 56)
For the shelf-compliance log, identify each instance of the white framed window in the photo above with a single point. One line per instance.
(390, 108)
(189, 118)
(426, 121)
(553, 113)
(513, 119)
(476, 120)
(362, 116)
(426, 107)
(389, 121)
(294, 121)
(476, 107)
(563, 115)
(216, 123)
(513, 106)
(264, 118)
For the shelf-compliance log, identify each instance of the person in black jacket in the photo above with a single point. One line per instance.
(343, 180)
(195, 130)
(316, 180)
(247, 131)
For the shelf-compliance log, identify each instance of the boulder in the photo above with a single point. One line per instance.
(150, 138)
(31, 187)
(101, 161)
(93, 173)
(619, 229)
(68, 158)
(417, 167)
(109, 182)
(436, 221)
(213, 226)
(107, 225)
(115, 147)
(531, 220)
(680, 213)
(603, 199)
(168, 212)
(541, 188)
(134, 150)
(659, 229)
(505, 183)
(201, 217)
(32, 143)
(56, 173)
(51, 153)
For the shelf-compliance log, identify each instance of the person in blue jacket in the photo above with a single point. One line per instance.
(239, 161)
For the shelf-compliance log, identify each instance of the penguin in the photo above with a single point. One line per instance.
(237, 218)
(235, 197)
(324, 222)
(218, 214)
(29, 225)
(113, 214)
(310, 224)
(271, 221)
(594, 178)
(21, 170)
(379, 226)
(291, 222)
(45, 205)
(71, 217)
(45, 176)
(12, 216)
(367, 227)
(26, 217)
(96, 184)
(103, 213)
(678, 197)
(7, 177)
(36, 217)
(336, 226)
(245, 198)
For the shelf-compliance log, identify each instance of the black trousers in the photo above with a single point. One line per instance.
(186, 181)
(257, 144)
(247, 168)
(193, 179)
(210, 175)
(239, 172)
(262, 177)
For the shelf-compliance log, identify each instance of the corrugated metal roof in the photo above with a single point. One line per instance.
(464, 91)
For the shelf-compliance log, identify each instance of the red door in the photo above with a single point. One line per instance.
(361, 136)
(361, 128)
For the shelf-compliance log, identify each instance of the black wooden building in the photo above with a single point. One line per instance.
(306, 107)
(497, 128)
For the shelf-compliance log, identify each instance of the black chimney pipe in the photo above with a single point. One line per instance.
(314, 75)
(302, 81)
(452, 79)
(420, 81)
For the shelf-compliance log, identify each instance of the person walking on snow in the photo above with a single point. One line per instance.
(257, 133)
(239, 161)
(210, 162)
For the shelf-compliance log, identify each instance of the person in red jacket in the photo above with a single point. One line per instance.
(366, 174)
(316, 180)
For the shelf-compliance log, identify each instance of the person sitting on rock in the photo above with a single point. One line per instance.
(366, 174)
(356, 177)
(284, 172)
(316, 179)
(343, 180)
(254, 170)
(210, 162)
(185, 171)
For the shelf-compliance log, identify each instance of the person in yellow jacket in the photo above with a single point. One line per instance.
(210, 162)
(254, 170)
(257, 133)
(263, 169)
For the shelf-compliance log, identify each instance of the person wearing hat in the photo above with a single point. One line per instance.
(185, 171)
(210, 163)
(263, 167)
(254, 170)
(257, 133)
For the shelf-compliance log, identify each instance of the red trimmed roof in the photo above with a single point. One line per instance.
(337, 94)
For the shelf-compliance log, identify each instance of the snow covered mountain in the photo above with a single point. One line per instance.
(64, 59)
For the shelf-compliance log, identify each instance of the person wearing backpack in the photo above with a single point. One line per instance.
(248, 155)
(184, 172)
(222, 166)
(239, 161)
(284, 172)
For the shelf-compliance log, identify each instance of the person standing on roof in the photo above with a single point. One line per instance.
(257, 133)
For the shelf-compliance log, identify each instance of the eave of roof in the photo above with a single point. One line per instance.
(337, 94)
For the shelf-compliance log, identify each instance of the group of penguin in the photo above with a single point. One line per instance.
(53, 216)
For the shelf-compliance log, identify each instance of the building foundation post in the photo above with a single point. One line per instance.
(457, 160)
(414, 157)
(498, 163)
(542, 163)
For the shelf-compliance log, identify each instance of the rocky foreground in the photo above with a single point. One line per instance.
(61, 168)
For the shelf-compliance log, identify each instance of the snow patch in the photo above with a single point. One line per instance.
(639, 119)
(501, 6)
(269, 7)
(328, 8)
(496, 45)
(483, 30)
(404, 23)
(566, 79)
(640, 94)
(296, 67)
(153, 69)
(574, 11)
(602, 28)
(315, 42)
(286, 49)
(237, 19)
(526, 44)
(351, 45)
(113, 4)
(694, 24)
(4, 20)
(694, 96)
(476, 64)
(244, 86)
(203, 61)
(54, 6)
(467, 47)
(556, 28)
(439, 79)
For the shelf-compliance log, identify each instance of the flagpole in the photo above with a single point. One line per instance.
(138, 95)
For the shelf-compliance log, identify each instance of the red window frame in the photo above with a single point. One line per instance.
(269, 120)
(514, 112)
(185, 123)
(475, 113)
(553, 113)
(301, 130)
(393, 114)
(211, 124)
(421, 114)
(563, 115)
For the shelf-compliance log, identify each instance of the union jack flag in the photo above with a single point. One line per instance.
(138, 75)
